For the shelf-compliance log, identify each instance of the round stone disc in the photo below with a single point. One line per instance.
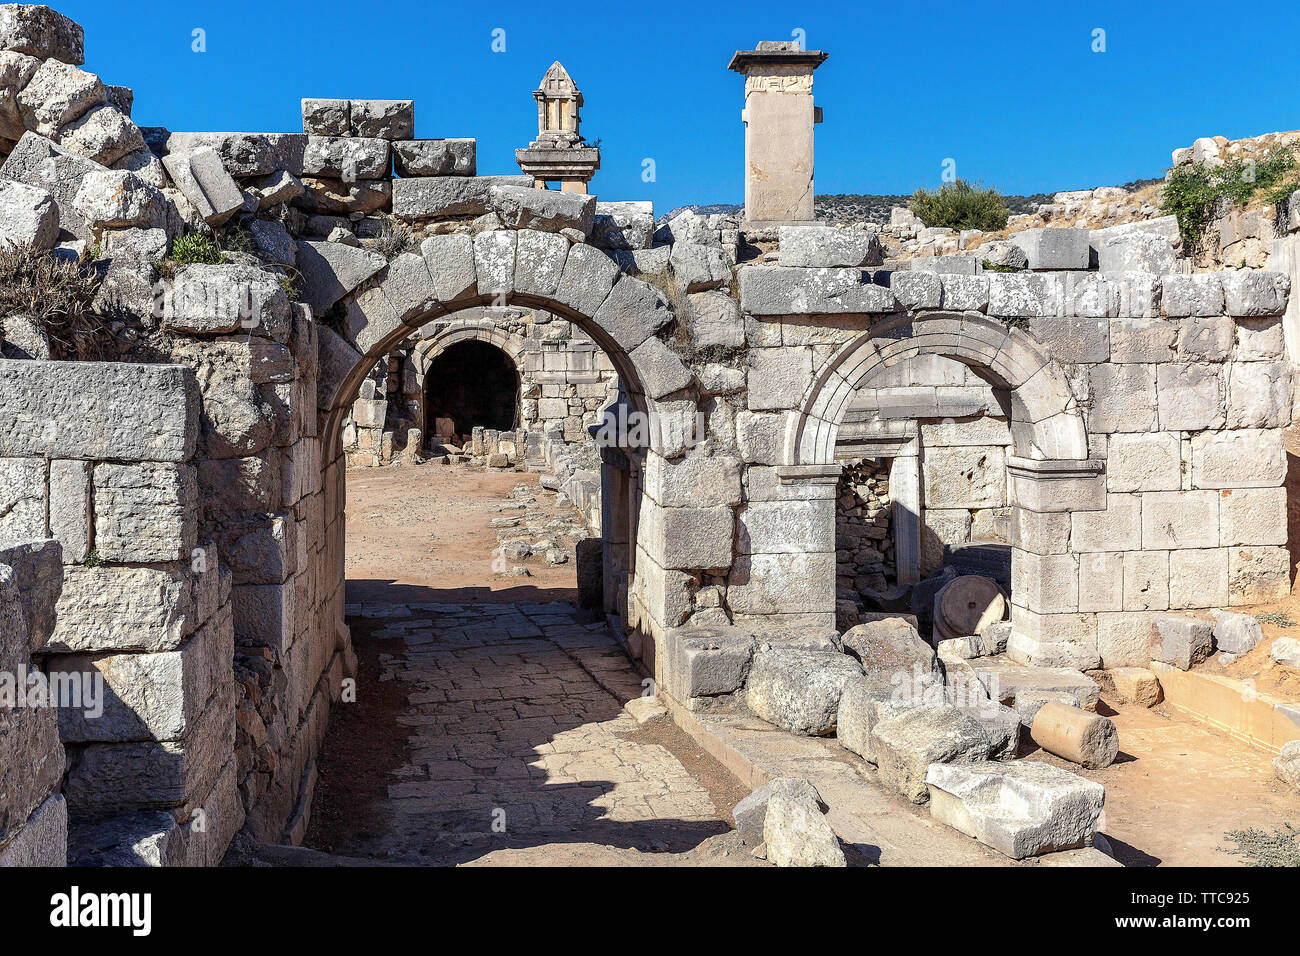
(968, 603)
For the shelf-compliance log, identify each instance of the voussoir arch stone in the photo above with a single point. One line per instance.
(467, 330)
(451, 273)
(1046, 422)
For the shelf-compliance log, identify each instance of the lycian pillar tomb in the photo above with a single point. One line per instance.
(559, 154)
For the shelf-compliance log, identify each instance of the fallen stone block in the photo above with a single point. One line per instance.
(1001, 723)
(905, 746)
(1286, 651)
(1087, 739)
(1003, 254)
(892, 654)
(441, 197)
(751, 812)
(203, 180)
(1181, 641)
(623, 225)
(1020, 809)
(828, 247)
(1136, 685)
(1055, 248)
(117, 199)
(435, 157)
(38, 161)
(796, 834)
(58, 94)
(863, 704)
(1019, 684)
(103, 134)
(39, 31)
(545, 210)
(331, 270)
(28, 216)
(798, 689)
(645, 710)
(1287, 764)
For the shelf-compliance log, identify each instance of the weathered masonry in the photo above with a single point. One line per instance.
(1126, 427)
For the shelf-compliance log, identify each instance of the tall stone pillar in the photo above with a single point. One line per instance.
(779, 116)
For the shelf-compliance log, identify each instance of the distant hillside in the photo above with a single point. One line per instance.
(862, 207)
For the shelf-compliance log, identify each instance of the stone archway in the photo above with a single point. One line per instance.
(1046, 422)
(579, 283)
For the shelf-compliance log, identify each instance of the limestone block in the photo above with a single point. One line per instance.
(155, 774)
(1252, 294)
(205, 182)
(623, 225)
(1059, 639)
(1252, 516)
(58, 94)
(24, 499)
(798, 689)
(1191, 397)
(751, 812)
(146, 512)
(907, 745)
(385, 119)
(326, 117)
(1285, 651)
(264, 614)
(1073, 338)
(342, 197)
(688, 537)
(1259, 340)
(1146, 580)
(828, 247)
(1021, 810)
(965, 293)
(212, 299)
(1008, 682)
(633, 312)
(1258, 575)
(1236, 633)
(1180, 519)
(785, 527)
(916, 290)
(1259, 395)
(1101, 582)
(1118, 528)
(765, 584)
(1206, 339)
(39, 31)
(147, 609)
(1124, 398)
(38, 161)
(1067, 248)
(1181, 641)
(965, 477)
(28, 216)
(1198, 578)
(1139, 340)
(796, 834)
(1143, 462)
(16, 70)
(330, 270)
(103, 134)
(697, 267)
(70, 508)
(1186, 295)
(31, 761)
(778, 377)
(435, 157)
(894, 658)
(1137, 252)
(543, 210)
(149, 696)
(715, 320)
(693, 481)
(589, 276)
(273, 241)
(539, 262)
(1286, 766)
(1248, 458)
(247, 155)
(1135, 685)
(660, 370)
(1025, 296)
(707, 661)
(778, 290)
(1046, 584)
(345, 157)
(1041, 533)
(438, 197)
(43, 839)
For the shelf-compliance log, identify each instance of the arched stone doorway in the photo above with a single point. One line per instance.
(467, 385)
(1049, 472)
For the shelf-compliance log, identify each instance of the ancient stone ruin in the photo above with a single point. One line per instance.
(816, 466)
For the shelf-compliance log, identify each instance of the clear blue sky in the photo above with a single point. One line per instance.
(1011, 91)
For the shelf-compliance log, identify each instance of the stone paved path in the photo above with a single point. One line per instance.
(513, 735)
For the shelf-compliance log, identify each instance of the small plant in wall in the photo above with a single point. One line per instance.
(1197, 193)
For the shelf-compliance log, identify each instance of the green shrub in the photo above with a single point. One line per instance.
(1261, 848)
(959, 205)
(57, 294)
(1194, 192)
(193, 248)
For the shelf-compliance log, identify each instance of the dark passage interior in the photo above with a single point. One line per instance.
(473, 384)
